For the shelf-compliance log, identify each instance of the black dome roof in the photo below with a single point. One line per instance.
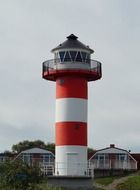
(72, 42)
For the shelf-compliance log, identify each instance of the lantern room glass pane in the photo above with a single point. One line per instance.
(88, 58)
(84, 56)
(78, 57)
(73, 55)
(67, 56)
(61, 54)
(56, 56)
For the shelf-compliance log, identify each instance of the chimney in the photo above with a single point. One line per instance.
(112, 145)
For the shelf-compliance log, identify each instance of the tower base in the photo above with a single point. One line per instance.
(71, 182)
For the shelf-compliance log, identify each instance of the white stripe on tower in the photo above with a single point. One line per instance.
(71, 125)
(71, 109)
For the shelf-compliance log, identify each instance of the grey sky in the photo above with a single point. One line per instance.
(29, 29)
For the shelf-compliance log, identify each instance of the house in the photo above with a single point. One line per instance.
(112, 160)
(44, 159)
(6, 156)
(3, 157)
(136, 156)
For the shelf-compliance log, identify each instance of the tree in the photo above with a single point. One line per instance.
(24, 145)
(91, 151)
(18, 175)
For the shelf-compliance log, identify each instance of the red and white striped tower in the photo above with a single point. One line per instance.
(71, 69)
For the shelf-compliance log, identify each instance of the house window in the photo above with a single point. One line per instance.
(27, 158)
(51, 158)
(2, 159)
(46, 158)
(96, 157)
(122, 157)
(101, 157)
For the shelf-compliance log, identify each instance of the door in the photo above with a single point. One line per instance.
(101, 161)
(72, 163)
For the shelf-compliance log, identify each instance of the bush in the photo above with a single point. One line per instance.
(18, 176)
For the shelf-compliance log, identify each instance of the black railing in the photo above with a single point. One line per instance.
(54, 64)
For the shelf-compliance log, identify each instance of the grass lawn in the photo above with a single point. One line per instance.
(44, 186)
(130, 182)
(133, 183)
(105, 180)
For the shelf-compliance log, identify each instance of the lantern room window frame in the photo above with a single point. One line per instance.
(73, 56)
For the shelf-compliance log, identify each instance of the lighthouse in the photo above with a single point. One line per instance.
(71, 69)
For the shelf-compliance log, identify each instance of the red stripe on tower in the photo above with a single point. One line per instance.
(71, 133)
(71, 87)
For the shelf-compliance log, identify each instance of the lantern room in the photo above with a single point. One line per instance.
(72, 50)
(72, 56)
